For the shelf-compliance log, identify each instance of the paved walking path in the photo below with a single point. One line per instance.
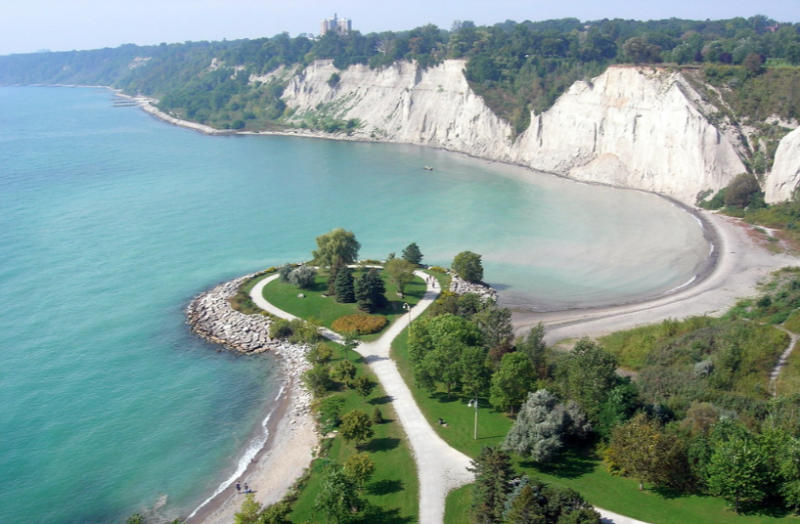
(440, 468)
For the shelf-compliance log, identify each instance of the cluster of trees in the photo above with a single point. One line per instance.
(501, 497)
(516, 67)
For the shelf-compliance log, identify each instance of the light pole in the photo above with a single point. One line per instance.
(408, 308)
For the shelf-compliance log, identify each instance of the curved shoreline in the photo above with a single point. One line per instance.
(280, 448)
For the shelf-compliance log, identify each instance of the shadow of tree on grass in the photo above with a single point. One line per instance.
(385, 487)
(381, 444)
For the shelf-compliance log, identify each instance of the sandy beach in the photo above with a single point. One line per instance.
(742, 263)
(287, 453)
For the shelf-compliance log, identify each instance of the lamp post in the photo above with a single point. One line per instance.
(407, 307)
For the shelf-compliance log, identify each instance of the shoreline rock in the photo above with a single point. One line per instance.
(459, 286)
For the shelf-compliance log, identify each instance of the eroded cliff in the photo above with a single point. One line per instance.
(782, 182)
(634, 127)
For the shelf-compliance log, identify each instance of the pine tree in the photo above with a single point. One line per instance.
(370, 291)
(345, 289)
(334, 272)
(493, 473)
(412, 254)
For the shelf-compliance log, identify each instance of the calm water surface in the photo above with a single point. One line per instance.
(110, 221)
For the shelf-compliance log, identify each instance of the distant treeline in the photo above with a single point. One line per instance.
(516, 67)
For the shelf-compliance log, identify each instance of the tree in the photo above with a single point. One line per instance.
(303, 277)
(737, 470)
(276, 514)
(401, 272)
(318, 379)
(337, 497)
(495, 324)
(525, 507)
(359, 468)
(511, 383)
(363, 385)
(476, 376)
(468, 266)
(412, 254)
(753, 63)
(343, 371)
(345, 286)
(356, 426)
(534, 347)
(541, 425)
(634, 448)
(248, 514)
(333, 272)
(742, 191)
(493, 474)
(436, 346)
(587, 375)
(369, 290)
(337, 244)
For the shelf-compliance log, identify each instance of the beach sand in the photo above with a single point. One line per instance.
(287, 453)
(742, 263)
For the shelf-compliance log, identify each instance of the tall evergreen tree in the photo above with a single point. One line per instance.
(493, 473)
(412, 253)
(370, 291)
(336, 266)
(345, 288)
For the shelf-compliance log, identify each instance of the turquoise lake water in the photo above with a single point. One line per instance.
(111, 221)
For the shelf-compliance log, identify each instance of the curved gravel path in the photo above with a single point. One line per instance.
(440, 468)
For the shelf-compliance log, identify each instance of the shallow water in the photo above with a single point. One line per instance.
(111, 221)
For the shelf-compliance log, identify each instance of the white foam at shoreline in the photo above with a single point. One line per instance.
(256, 445)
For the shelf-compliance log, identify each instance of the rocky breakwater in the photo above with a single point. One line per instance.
(213, 318)
(459, 286)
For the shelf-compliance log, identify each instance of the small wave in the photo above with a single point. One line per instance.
(256, 445)
(687, 284)
(281, 392)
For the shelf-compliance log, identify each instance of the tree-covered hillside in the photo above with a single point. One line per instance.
(516, 67)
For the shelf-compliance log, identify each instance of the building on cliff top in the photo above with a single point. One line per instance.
(340, 25)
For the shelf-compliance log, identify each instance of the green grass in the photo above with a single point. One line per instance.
(788, 382)
(242, 302)
(394, 487)
(458, 506)
(326, 309)
(584, 472)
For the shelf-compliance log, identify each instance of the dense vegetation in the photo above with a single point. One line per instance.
(516, 67)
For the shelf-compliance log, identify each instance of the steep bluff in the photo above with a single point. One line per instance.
(641, 128)
(785, 176)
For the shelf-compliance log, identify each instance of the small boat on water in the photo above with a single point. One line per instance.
(427, 168)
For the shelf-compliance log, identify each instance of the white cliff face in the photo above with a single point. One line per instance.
(632, 127)
(629, 127)
(403, 103)
(785, 175)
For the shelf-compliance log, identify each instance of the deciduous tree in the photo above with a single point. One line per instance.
(401, 272)
(337, 498)
(356, 426)
(337, 244)
(511, 383)
(359, 468)
(468, 266)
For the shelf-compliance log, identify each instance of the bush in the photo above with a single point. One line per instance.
(284, 273)
(793, 322)
(303, 277)
(361, 324)
(742, 191)
(468, 266)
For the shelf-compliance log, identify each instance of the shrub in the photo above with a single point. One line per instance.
(303, 277)
(284, 273)
(468, 266)
(361, 324)
(793, 322)
(438, 269)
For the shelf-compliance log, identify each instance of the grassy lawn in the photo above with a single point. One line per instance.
(393, 488)
(585, 473)
(580, 470)
(326, 309)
